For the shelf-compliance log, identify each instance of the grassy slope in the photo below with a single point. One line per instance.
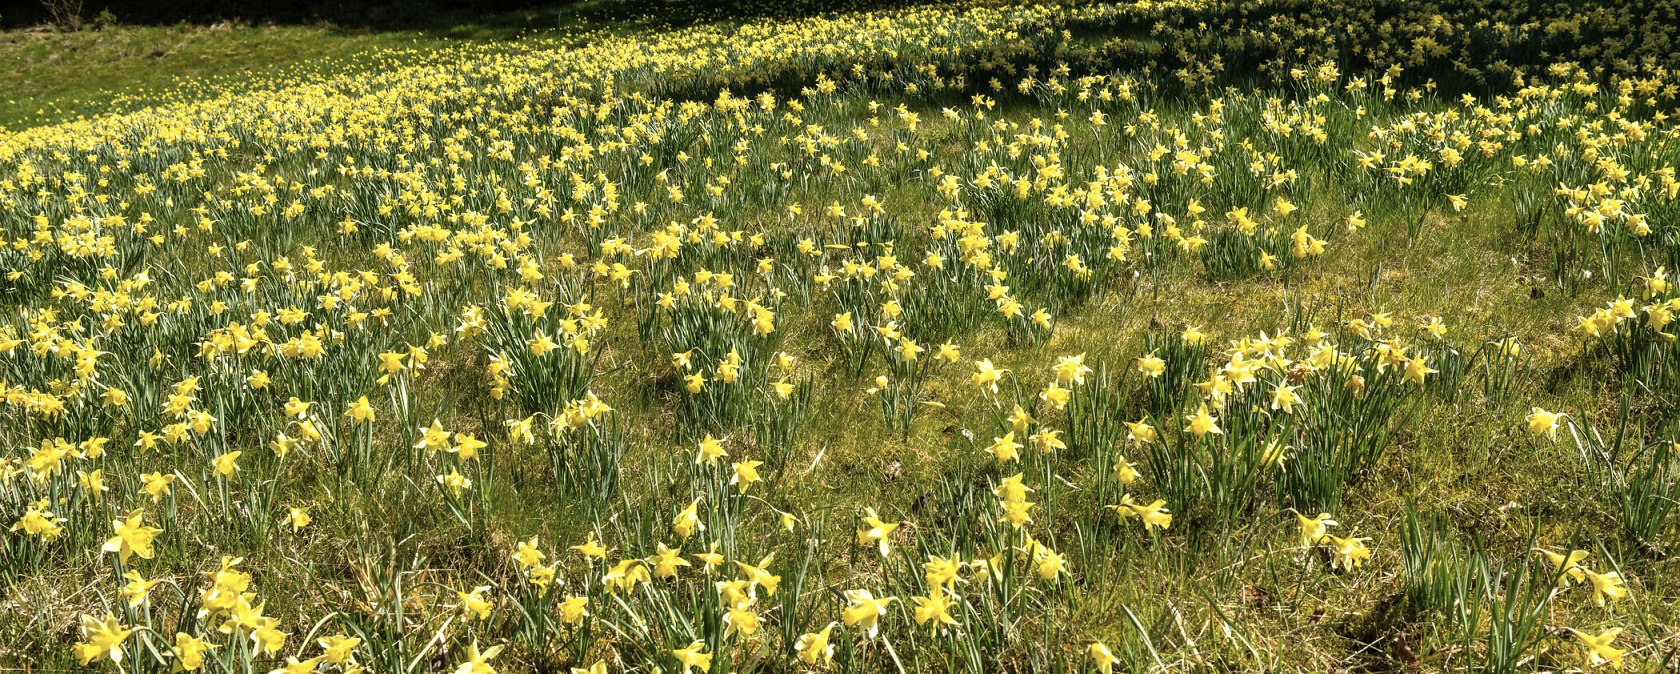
(52, 76)
(48, 76)
(1470, 268)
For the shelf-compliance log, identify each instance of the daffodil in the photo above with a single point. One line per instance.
(527, 554)
(864, 611)
(39, 521)
(132, 537)
(1012, 488)
(1071, 369)
(667, 561)
(1005, 449)
(574, 609)
(361, 410)
(1566, 567)
(986, 375)
(625, 575)
(1102, 657)
(711, 449)
(741, 619)
(814, 648)
(102, 639)
(1140, 432)
(1607, 585)
(226, 464)
(1151, 366)
(156, 485)
(949, 353)
(1048, 564)
(136, 591)
(935, 609)
(687, 522)
(1202, 423)
(339, 649)
(478, 662)
(454, 482)
(1153, 515)
(1541, 422)
(758, 575)
(1347, 553)
(1125, 472)
(1597, 648)
(296, 666)
(693, 657)
(298, 518)
(188, 652)
(1313, 529)
(297, 408)
(879, 533)
(590, 548)
(467, 446)
(473, 603)
(433, 437)
(1284, 399)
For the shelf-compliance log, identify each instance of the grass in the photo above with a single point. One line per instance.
(50, 75)
(53, 76)
(388, 549)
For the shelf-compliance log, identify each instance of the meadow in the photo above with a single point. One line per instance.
(1168, 335)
